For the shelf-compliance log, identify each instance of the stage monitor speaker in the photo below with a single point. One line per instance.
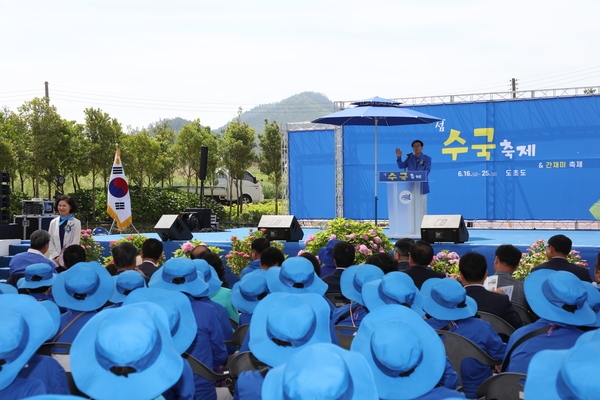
(281, 227)
(197, 218)
(444, 228)
(172, 227)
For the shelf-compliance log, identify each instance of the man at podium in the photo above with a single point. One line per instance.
(416, 161)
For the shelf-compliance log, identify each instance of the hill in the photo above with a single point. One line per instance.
(300, 107)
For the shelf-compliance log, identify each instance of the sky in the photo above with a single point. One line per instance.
(142, 60)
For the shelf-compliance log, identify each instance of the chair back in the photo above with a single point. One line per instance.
(526, 316)
(504, 386)
(203, 370)
(459, 347)
(245, 361)
(499, 325)
(345, 334)
(337, 299)
(238, 336)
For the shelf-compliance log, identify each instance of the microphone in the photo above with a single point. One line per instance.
(409, 154)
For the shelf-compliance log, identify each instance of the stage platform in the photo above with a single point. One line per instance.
(483, 241)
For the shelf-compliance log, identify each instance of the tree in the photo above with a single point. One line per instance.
(269, 162)
(237, 147)
(139, 152)
(47, 140)
(165, 137)
(101, 135)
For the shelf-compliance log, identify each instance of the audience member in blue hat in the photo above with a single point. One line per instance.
(209, 275)
(37, 281)
(447, 303)
(180, 274)
(343, 257)
(5, 288)
(566, 374)
(405, 354)
(326, 257)
(125, 283)
(223, 293)
(126, 352)
(321, 371)
(559, 298)
(38, 246)
(26, 324)
(182, 327)
(247, 292)
(257, 246)
(352, 281)
(282, 325)
(392, 288)
(296, 275)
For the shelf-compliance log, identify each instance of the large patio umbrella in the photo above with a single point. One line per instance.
(376, 111)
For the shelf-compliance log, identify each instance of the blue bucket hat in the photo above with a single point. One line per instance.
(564, 374)
(284, 323)
(296, 275)
(5, 288)
(207, 273)
(393, 288)
(332, 373)
(446, 299)
(593, 300)
(55, 397)
(86, 286)
(26, 324)
(249, 290)
(406, 355)
(353, 278)
(179, 274)
(125, 283)
(126, 352)
(37, 275)
(326, 254)
(558, 296)
(177, 306)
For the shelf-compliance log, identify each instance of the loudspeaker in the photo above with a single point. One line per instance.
(281, 227)
(444, 228)
(203, 162)
(172, 227)
(197, 218)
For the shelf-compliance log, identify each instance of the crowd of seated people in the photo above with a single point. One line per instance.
(175, 331)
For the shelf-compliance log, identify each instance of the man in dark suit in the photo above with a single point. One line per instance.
(473, 271)
(343, 257)
(419, 258)
(401, 250)
(152, 253)
(557, 250)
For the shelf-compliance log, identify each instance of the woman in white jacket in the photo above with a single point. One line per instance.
(65, 229)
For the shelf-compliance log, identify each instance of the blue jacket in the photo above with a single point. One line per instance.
(253, 266)
(21, 261)
(414, 163)
(481, 333)
(47, 370)
(208, 346)
(559, 339)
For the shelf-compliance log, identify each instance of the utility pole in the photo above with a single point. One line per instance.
(513, 84)
(47, 96)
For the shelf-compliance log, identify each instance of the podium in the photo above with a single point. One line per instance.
(406, 206)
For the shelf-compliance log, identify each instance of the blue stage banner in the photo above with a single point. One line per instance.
(312, 174)
(519, 159)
